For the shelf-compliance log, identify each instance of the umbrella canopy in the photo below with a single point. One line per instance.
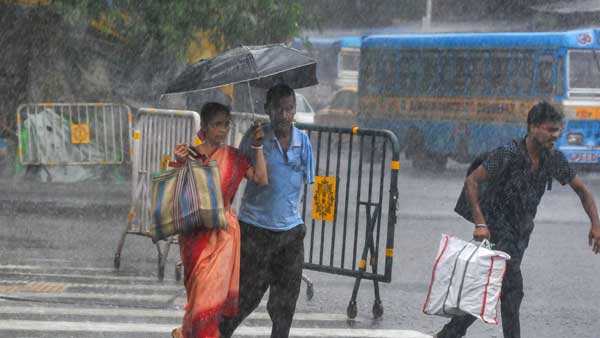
(260, 66)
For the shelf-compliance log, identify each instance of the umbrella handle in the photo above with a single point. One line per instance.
(251, 101)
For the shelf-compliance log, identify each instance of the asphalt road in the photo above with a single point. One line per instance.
(61, 236)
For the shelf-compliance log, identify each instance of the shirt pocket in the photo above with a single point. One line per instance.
(296, 171)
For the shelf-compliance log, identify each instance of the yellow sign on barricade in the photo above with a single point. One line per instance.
(80, 134)
(324, 195)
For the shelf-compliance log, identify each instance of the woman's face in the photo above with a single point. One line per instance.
(215, 131)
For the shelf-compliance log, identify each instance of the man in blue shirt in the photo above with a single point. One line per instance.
(272, 229)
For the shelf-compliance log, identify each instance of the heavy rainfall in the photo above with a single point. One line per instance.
(358, 124)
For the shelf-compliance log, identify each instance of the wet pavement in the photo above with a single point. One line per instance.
(57, 277)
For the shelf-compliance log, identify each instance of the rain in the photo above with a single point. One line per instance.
(397, 98)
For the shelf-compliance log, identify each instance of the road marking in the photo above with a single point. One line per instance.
(111, 286)
(33, 287)
(300, 316)
(91, 296)
(36, 267)
(64, 326)
(134, 312)
(94, 277)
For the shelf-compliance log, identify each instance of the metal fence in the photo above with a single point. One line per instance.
(57, 134)
(350, 211)
(155, 134)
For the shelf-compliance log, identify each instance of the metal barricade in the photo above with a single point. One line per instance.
(58, 134)
(351, 208)
(155, 134)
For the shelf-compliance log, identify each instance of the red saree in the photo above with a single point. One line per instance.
(211, 259)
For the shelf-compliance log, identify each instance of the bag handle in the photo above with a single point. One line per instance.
(451, 279)
(486, 244)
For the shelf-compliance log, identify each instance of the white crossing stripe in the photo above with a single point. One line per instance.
(95, 277)
(136, 312)
(78, 295)
(110, 286)
(35, 267)
(64, 326)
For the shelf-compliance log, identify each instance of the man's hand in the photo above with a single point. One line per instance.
(258, 134)
(594, 238)
(480, 233)
(181, 152)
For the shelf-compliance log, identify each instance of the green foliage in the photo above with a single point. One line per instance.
(170, 24)
(361, 14)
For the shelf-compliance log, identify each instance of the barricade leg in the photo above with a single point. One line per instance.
(162, 257)
(377, 306)
(309, 287)
(117, 260)
(369, 247)
(178, 267)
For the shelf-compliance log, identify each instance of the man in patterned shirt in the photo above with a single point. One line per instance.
(515, 177)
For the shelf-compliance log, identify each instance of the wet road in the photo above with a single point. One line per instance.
(52, 263)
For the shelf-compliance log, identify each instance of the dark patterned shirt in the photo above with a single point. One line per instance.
(511, 205)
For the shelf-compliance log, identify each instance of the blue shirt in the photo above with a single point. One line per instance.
(276, 206)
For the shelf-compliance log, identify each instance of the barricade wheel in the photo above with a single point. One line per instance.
(117, 262)
(377, 309)
(351, 310)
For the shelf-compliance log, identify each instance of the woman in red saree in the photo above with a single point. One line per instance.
(211, 258)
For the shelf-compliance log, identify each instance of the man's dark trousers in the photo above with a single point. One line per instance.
(269, 259)
(512, 288)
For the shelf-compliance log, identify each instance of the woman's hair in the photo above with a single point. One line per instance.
(211, 109)
(543, 112)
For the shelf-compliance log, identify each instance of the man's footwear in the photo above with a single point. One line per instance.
(438, 335)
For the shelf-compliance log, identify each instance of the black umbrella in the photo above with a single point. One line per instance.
(259, 66)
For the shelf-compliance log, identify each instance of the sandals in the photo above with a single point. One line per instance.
(176, 333)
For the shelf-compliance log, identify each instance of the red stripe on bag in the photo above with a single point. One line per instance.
(487, 284)
(500, 296)
(437, 260)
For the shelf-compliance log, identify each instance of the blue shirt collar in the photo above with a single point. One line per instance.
(296, 136)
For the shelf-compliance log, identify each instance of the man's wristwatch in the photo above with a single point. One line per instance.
(481, 225)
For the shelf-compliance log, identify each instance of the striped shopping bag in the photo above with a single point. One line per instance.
(186, 199)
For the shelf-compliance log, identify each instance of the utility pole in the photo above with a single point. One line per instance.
(426, 22)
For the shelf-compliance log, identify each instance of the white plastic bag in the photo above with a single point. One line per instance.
(466, 279)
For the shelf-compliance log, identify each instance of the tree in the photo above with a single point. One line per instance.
(361, 14)
(120, 50)
(171, 24)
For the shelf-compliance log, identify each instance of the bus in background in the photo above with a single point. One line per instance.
(457, 95)
(348, 61)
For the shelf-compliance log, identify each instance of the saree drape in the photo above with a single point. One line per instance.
(211, 258)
